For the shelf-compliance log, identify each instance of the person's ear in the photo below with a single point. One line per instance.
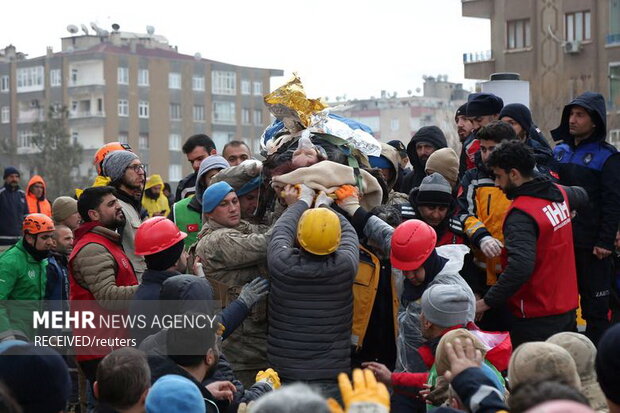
(96, 389)
(93, 214)
(213, 152)
(142, 401)
(210, 357)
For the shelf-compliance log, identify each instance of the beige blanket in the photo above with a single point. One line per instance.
(328, 176)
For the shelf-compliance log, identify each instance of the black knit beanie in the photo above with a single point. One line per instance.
(164, 259)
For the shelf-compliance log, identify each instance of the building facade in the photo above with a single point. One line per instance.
(562, 47)
(133, 88)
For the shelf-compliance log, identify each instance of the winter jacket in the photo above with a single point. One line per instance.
(521, 234)
(432, 135)
(310, 302)
(40, 205)
(477, 392)
(469, 149)
(482, 208)
(185, 187)
(133, 212)
(57, 286)
(13, 209)
(22, 277)
(188, 219)
(231, 258)
(94, 268)
(594, 165)
(162, 365)
(155, 206)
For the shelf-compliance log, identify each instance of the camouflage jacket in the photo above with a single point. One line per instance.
(232, 257)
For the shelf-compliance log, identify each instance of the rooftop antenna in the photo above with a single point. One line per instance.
(115, 27)
(85, 30)
(72, 28)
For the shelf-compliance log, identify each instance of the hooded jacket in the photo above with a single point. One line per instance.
(13, 208)
(155, 206)
(521, 237)
(185, 187)
(38, 206)
(391, 154)
(432, 135)
(594, 165)
(310, 302)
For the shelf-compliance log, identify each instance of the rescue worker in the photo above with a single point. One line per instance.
(99, 269)
(233, 253)
(127, 176)
(388, 164)
(197, 148)
(539, 281)
(13, 207)
(154, 200)
(65, 212)
(585, 159)
(35, 196)
(425, 141)
(313, 258)
(23, 270)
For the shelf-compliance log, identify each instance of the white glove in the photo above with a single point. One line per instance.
(322, 200)
(491, 247)
(306, 194)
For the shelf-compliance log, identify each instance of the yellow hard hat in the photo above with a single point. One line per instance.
(318, 231)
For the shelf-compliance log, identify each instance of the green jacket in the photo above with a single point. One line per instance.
(21, 278)
(187, 220)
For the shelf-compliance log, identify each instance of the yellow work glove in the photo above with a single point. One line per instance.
(365, 395)
(269, 376)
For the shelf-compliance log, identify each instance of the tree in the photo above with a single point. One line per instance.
(57, 158)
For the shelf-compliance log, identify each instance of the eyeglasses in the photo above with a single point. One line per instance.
(137, 168)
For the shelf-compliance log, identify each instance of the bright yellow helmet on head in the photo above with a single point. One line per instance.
(318, 231)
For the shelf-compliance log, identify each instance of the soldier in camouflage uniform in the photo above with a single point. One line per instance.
(233, 253)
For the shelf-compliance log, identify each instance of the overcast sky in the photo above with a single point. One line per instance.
(338, 47)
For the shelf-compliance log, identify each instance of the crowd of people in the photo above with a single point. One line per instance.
(376, 277)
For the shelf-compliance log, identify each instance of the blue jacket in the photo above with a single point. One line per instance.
(13, 209)
(595, 166)
(57, 285)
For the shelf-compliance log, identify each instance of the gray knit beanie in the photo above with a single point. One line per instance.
(434, 190)
(116, 163)
(446, 305)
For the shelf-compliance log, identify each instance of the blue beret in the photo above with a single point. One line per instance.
(214, 194)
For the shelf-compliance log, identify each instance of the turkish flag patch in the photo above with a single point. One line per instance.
(192, 228)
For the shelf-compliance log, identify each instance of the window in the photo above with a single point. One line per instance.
(198, 83)
(245, 87)
(577, 26)
(175, 111)
(123, 107)
(74, 76)
(394, 125)
(30, 79)
(614, 85)
(143, 141)
(4, 84)
(224, 112)
(518, 36)
(223, 83)
(258, 88)
(221, 138)
(174, 81)
(55, 78)
(174, 142)
(123, 75)
(199, 113)
(24, 139)
(143, 77)
(143, 109)
(258, 117)
(174, 172)
(245, 116)
(614, 21)
(6, 114)
(614, 137)
(123, 137)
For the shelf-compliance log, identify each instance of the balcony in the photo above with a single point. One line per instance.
(30, 115)
(477, 8)
(81, 114)
(613, 39)
(478, 65)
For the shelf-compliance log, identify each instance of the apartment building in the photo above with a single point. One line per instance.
(562, 47)
(134, 88)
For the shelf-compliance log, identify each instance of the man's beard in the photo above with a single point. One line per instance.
(135, 190)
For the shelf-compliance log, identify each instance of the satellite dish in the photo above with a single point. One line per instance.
(150, 30)
(72, 28)
(115, 27)
(418, 90)
(94, 27)
(197, 56)
(85, 29)
(409, 92)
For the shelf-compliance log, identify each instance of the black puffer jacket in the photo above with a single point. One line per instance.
(434, 136)
(310, 303)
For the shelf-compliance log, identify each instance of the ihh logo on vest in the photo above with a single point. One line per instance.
(558, 214)
(31, 274)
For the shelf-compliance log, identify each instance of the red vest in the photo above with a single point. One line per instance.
(125, 276)
(552, 287)
(471, 150)
(449, 238)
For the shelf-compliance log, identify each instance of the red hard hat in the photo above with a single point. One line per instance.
(157, 234)
(413, 242)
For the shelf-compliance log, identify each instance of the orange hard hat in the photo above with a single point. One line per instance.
(37, 223)
(157, 234)
(413, 242)
(105, 150)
